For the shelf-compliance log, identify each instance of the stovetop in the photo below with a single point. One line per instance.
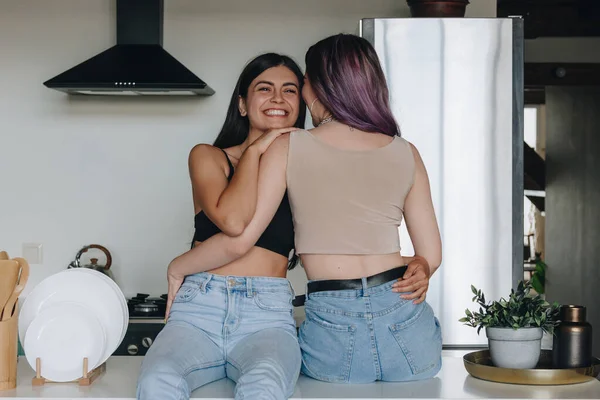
(143, 306)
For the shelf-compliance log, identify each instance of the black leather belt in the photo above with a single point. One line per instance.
(345, 284)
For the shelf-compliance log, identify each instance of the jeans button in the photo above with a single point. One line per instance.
(231, 282)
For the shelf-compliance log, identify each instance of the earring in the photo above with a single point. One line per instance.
(311, 105)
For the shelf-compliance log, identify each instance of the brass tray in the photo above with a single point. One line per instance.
(479, 364)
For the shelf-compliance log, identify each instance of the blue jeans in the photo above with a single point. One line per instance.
(369, 334)
(225, 326)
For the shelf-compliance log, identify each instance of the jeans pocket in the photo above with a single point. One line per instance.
(420, 339)
(187, 292)
(273, 301)
(327, 349)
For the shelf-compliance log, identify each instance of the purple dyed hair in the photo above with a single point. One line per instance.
(347, 78)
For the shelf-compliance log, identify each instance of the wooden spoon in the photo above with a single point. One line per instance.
(9, 276)
(3, 255)
(10, 304)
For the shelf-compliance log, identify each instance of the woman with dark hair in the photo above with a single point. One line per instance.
(351, 181)
(235, 321)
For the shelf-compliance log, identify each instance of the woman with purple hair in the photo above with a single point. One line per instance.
(351, 181)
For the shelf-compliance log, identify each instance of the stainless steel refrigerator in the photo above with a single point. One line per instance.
(456, 89)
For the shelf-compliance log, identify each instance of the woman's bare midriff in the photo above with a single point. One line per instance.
(257, 262)
(334, 266)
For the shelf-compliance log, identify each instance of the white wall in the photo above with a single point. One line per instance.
(113, 171)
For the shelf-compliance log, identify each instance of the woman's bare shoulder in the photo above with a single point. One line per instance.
(203, 153)
(206, 158)
(203, 150)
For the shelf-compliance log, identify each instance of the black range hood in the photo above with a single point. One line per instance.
(137, 64)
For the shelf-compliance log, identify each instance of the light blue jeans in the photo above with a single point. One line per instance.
(369, 334)
(225, 326)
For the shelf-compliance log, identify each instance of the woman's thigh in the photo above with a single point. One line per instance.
(268, 360)
(182, 357)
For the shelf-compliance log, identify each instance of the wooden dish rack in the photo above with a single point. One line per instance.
(86, 378)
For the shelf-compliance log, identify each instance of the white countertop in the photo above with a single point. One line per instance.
(453, 382)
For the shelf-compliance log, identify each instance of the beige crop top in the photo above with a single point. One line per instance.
(346, 201)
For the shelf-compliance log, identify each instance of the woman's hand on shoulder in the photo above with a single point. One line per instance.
(262, 143)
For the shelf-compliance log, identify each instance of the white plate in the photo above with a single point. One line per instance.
(85, 287)
(122, 299)
(62, 336)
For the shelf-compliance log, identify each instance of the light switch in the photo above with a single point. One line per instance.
(32, 252)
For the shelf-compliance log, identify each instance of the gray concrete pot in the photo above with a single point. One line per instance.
(510, 348)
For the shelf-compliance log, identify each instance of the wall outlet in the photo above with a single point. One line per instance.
(32, 252)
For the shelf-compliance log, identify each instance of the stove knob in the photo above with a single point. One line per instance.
(132, 349)
(146, 342)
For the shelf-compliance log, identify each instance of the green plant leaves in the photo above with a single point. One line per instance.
(520, 310)
(538, 278)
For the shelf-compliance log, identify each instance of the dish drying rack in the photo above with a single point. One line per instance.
(86, 378)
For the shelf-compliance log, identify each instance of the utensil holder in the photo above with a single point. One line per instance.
(86, 379)
(8, 351)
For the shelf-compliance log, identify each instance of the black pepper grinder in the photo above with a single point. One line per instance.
(572, 343)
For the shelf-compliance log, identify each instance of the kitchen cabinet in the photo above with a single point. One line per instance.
(555, 18)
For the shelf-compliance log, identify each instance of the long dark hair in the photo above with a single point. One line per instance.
(236, 128)
(345, 73)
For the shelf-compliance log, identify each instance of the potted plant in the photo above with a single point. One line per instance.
(514, 327)
(438, 8)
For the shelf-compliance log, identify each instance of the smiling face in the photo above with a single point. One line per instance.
(273, 100)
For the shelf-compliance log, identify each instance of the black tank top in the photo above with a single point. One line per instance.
(278, 237)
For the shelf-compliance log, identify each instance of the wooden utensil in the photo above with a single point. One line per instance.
(3, 255)
(9, 276)
(8, 352)
(10, 304)
(8, 328)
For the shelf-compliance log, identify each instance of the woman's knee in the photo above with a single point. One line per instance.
(266, 380)
(161, 380)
